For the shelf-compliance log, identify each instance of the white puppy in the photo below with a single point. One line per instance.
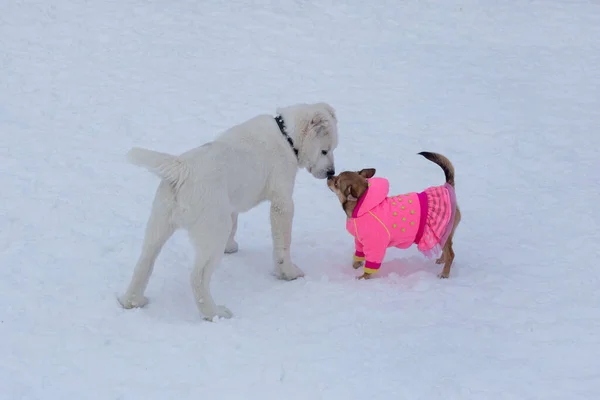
(204, 189)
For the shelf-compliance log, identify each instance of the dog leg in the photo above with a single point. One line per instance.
(448, 256)
(448, 251)
(232, 245)
(282, 214)
(158, 230)
(209, 252)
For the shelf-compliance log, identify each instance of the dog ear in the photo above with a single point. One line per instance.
(367, 173)
(329, 109)
(318, 125)
(349, 193)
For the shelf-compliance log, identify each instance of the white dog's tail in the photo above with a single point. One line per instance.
(166, 166)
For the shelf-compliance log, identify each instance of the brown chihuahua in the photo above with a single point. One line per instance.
(377, 221)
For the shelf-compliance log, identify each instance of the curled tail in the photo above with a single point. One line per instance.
(165, 166)
(443, 162)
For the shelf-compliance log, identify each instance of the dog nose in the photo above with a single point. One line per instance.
(330, 173)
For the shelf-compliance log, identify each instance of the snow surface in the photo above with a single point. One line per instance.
(509, 91)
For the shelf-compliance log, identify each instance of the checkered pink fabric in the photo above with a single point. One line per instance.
(441, 211)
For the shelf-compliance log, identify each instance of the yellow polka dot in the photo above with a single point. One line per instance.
(399, 198)
(410, 202)
(412, 222)
(403, 218)
(412, 211)
(403, 230)
(395, 213)
(402, 207)
(393, 226)
(393, 203)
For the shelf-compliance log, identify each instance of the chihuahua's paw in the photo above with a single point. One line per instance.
(357, 261)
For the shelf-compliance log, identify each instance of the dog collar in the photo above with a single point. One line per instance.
(281, 124)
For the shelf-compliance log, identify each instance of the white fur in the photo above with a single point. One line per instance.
(204, 189)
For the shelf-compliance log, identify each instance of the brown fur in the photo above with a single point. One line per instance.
(349, 186)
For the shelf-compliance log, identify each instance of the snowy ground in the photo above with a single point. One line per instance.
(509, 91)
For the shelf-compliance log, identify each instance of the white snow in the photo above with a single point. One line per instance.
(509, 91)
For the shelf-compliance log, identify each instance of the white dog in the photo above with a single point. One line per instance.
(204, 189)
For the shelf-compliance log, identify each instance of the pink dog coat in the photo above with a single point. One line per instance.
(379, 221)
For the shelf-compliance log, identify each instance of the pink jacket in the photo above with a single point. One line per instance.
(379, 222)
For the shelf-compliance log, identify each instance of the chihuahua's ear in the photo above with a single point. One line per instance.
(367, 173)
(349, 194)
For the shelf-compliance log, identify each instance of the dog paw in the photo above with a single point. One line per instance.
(289, 272)
(224, 312)
(221, 312)
(129, 302)
(231, 247)
(357, 264)
(442, 275)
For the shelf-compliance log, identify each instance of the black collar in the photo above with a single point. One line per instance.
(281, 124)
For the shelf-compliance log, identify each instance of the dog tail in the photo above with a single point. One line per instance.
(165, 166)
(443, 162)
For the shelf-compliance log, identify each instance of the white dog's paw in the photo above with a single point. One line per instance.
(224, 312)
(288, 272)
(231, 247)
(129, 302)
(221, 312)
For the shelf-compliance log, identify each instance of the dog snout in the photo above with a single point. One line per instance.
(330, 173)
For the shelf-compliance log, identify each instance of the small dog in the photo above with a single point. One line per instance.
(427, 219)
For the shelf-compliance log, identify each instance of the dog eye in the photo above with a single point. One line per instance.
(324, 152)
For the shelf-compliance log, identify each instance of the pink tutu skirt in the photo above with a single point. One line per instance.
(441, 210)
